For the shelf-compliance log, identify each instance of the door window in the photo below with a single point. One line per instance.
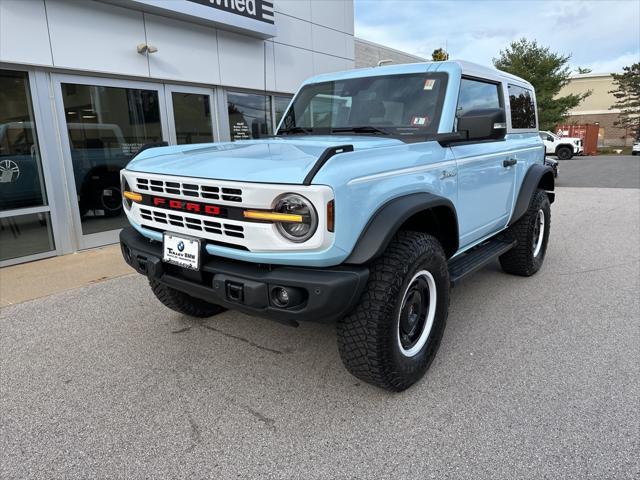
(249, 115)
(192, 117)
(21, 180)
(523, 110)
(475, 95)
(106, 127)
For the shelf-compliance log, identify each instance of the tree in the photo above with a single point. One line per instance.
(439, 55)
(627, 95)
(547, 72)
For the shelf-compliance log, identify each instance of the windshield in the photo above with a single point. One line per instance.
(406, 105)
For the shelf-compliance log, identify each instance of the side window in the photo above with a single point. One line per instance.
(523, 110)
(475, 94)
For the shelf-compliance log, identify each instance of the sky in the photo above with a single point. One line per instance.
(603, 35)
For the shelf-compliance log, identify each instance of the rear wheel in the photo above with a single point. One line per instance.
(392, 336)
(183, 303)
(532, 235)
(564, 153)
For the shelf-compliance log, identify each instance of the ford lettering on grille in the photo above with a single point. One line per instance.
(185, 206)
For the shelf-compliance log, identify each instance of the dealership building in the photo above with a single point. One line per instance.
(85, 83)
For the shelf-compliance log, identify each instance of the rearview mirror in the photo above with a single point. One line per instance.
(483, 124)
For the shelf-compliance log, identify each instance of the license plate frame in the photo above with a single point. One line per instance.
(172, 254)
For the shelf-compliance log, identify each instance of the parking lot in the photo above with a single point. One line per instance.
(535, 378)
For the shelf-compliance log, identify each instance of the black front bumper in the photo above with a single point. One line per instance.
(327, 294)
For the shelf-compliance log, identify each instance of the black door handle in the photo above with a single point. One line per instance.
(509, 163)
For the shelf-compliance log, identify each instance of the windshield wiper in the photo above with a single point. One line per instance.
(294, 131)
(363, 129)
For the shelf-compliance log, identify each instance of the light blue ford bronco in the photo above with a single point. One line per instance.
(381, 189)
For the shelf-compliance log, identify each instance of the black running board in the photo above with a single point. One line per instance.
(476, 258)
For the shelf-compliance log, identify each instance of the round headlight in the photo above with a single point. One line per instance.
(297, 205)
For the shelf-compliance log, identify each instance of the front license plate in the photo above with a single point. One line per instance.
(181, 251)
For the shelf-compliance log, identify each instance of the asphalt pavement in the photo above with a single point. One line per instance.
(535, 378)
(609, 171)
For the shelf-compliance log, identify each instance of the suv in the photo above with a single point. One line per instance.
(381, 189)
(562, 147)
(635, 150)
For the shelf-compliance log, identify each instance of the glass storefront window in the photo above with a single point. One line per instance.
(192, 118)
(106, 127)
(23, 235)
(21, 179)
(280, 105)
(249, 115)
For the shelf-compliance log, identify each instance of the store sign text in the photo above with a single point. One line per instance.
(256, 9)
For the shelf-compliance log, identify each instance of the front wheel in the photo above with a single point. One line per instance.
(392, 336)
(531, 232)
(564, 153)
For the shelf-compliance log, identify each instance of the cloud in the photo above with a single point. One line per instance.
(614, 65)
(597, 34)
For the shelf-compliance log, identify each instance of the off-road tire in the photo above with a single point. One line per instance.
(520, 260)
(564, 153)
(368, 338)
(183, 303)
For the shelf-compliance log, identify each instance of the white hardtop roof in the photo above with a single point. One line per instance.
(466, 68)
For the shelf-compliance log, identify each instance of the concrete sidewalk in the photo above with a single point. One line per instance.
(32, 280)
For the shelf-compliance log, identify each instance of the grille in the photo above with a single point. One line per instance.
(192, 223)
(192, 190)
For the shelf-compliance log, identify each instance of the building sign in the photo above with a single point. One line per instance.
(250, 17)
(256, 9)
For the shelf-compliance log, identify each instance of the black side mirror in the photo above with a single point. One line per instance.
(483, 124)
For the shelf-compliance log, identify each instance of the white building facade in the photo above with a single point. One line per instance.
(84, 84)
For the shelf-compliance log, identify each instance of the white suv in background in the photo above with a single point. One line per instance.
(635, 150)
(562, 147)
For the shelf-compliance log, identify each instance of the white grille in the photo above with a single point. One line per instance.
(191, 223)
(189, 189)
(251, 236)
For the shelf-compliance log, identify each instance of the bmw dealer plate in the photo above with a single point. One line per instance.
(181, 251)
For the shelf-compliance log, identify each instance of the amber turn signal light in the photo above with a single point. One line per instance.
(273, 216)
(133, 196)
(331, 216)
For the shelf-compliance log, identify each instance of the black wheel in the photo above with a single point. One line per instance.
(111, 200)
(564, 153)
(392, 336)
(532, 234)
(183, 303)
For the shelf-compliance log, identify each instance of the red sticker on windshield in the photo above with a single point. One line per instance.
(429, 84)
(420, 121)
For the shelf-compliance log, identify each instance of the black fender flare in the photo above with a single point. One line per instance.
(388, 219)
(538, 176)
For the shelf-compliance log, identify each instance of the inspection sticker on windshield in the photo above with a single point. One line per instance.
(181, 251)
(429, 84)
(419, 121)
